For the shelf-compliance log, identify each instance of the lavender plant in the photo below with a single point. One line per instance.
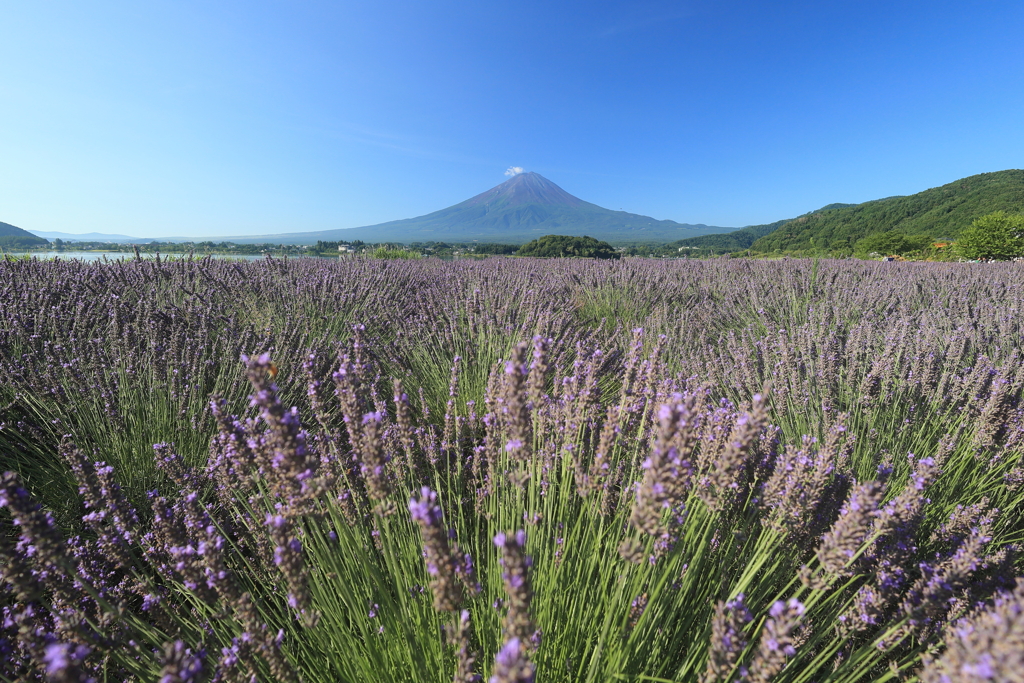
(795, 471)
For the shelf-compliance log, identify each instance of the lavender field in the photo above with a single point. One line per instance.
(511, 470)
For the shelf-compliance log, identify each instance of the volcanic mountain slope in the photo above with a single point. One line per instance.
(103, 237)
(520, 209)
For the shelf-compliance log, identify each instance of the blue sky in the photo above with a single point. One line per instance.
(218, 118)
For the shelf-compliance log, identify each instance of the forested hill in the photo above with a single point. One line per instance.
(941, 212)
(14, 237)
(737, 240)
(729, 241)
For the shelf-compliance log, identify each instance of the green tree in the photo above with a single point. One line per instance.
(889, 243)
(390, 251)
(567, 245)
(996, 236)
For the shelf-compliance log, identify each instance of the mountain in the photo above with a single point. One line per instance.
(738, 240)
(99, 237)
(941, 212)
(520, 209)
(12, 237)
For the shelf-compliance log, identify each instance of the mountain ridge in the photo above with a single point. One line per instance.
(11, 236)
(528, 206)
(941, 212)
(743, 238)
(522, 208)
(102, 237)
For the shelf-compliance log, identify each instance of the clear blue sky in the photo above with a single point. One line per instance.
(162, 118)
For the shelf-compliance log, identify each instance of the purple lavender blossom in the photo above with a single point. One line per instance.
(282, 454)
(511, 665)
(62, 663)
(839, 546)
(777, 644)
(518, 622)
(514, 408)
(290, 560)
(451, 571)
(988, 645)
(727, 639)
(466, 656)
(667, 471)
(181, 665)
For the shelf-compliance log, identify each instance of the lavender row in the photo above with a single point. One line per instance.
(796, 471)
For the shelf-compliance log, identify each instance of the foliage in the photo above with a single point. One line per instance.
(15, 242)
(997, 236)
(388, 251)
(941, 212)
(12, 237)
(496, 248)
(568, 246)
(890, 243)
(546, 491)
(331, 248)
(727, 242)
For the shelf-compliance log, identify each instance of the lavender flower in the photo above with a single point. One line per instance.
(181, 665)
(62, 663)
(184, 541)
(928, 599)
(515, 411)
(289, 558)
(631, 550)
(725, 484)
(511, 665)
(667, 472)
(794, 492)
(636, 610)
(986, 646)
(232, 464)
(888, 556)
(839, 546)
(540, 368)
(518, 623)
(40, 560)
(777, 644)
(255, 639)
(594, 479)
(450, 570)
(414, 463)
(727, 639)
(39, 534)
(466, 656)
(288, 464)
(109, 514)
(373, 459)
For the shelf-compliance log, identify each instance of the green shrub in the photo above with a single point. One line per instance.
(997, 236)
(391, 252)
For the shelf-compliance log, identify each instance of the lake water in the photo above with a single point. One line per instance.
(114, 255)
